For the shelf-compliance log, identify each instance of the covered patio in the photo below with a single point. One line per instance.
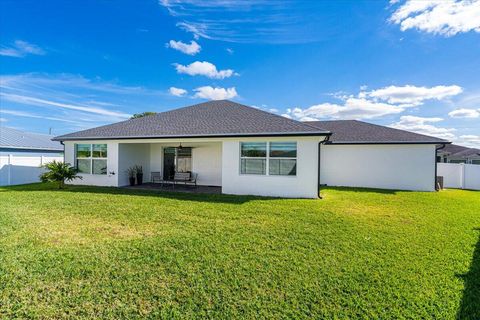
(162, 161)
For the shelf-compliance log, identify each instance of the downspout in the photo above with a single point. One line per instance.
(61, 142)
(435, 177)
(319, 158)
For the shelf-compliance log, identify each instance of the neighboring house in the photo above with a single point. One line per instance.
(248, 151)
(22, 153)
(458, 154)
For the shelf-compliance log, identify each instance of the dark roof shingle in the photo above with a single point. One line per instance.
(460, 151)
(354, 131)
(214, 118)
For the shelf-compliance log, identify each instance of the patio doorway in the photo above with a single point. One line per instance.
(176, 160)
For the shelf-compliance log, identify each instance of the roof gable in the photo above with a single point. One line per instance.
(354, 131)
(214, 118)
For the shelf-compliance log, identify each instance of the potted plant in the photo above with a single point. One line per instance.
(131, 175)
(139, 171)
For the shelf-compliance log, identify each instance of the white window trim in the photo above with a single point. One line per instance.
(267, 160)
(91, 158)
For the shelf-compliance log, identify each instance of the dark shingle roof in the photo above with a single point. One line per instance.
(460, 151)
(354, 131)
(214, 118)
(16, 139)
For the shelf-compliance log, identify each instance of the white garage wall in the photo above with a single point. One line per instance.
(403, 167)
(95, 179)
(303, 185)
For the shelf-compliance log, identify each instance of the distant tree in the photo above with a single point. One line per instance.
(143, 114)
(59, 172)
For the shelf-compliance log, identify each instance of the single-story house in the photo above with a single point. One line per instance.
(245, 150)
(454, 153)
(21, 154)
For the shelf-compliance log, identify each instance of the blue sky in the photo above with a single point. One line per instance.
(71, 65)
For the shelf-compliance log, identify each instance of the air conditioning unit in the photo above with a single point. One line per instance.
(439, 183)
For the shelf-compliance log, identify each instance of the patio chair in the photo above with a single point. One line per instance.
(156, 177)
(185, 178)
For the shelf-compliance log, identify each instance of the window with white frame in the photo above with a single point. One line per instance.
(268, 158)
(91, 158)
(283, 158)
(253, 158)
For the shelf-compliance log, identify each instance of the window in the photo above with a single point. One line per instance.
(253, 158)
(91, 158)
(281, 158)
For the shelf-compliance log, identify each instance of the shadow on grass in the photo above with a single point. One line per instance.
(365, 190)
(470, 304)
(199, 197)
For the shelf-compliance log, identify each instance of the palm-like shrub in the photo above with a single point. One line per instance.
(59, 172)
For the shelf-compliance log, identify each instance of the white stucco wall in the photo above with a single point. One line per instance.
(133, 154)
(303, 185)
(207, 163)
(403, 167)
(109, 179)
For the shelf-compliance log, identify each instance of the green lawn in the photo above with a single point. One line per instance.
(101, 252)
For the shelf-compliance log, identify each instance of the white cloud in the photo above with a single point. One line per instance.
(230, 50)
(35, 116)
(41, 102)
(375, 103)
(248, 21)
(192, 49)
(408, 96)
(469, 140)
(3, 120)
(423, 125)
(464, 113)
(178, 92)
(352, 108)
(211, 93)
(204, 68)
(444, 17)
(20, 49)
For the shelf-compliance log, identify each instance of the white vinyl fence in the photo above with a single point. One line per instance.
(22, 169)
(459, 175)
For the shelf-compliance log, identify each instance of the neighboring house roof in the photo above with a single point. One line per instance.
(214, 118)
(358, 132)
(16, 139)
(454, 150)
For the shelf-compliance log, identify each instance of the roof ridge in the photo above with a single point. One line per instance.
(274, 114)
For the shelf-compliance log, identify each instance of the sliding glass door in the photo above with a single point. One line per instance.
(176, 160)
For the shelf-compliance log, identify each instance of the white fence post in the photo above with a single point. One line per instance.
(9, 172)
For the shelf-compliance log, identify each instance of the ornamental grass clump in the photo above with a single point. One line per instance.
(59, 172)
